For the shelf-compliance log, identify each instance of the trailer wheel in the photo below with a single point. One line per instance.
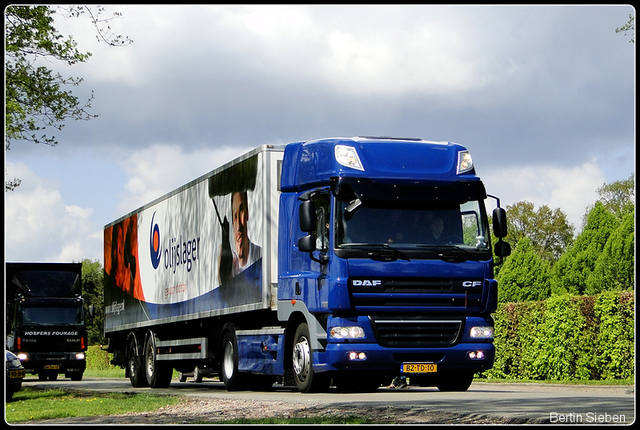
(198, 374)
(233, 380)
(306, 379)
(134, 367)
(158, 373)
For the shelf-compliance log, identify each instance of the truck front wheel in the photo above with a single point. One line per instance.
(158, 373)
(75, 376)
(232, 378)
(306, 379)
(454, 381)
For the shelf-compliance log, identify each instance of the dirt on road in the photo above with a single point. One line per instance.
(195, 410)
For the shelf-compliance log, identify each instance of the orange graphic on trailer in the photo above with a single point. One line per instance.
(121, 256)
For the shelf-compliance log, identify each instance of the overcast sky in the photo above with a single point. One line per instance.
(542, 96)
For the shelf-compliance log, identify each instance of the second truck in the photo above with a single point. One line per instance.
(344, 261)
(46, 318)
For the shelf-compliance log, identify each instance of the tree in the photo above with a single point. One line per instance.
(629, 26)
(570, 273)
(92, 292)
(615, 269)
(617, 197)
(548, 230)
(35, 96)
(524, 275)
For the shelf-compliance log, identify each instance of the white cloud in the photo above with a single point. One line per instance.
(571, 190)
(39, 226)
(357, 50)
(161, 168)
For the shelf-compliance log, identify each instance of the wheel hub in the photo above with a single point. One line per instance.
(301, 359)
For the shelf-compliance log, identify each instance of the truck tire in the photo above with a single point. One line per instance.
(158, 373)
(357, 383)
(454, 381)
(232, 378)
(76, 376)
(306, 379)
(135, 369)
(197, 374)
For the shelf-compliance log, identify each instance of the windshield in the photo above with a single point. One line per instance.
(49, 316)
(416, 226)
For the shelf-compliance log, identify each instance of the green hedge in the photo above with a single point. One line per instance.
(562, 338)
(97, 359)
(566, 338)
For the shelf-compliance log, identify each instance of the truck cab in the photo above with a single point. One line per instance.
(386, 263)
(46, 319)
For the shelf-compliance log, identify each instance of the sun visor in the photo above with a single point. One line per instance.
(239, 177)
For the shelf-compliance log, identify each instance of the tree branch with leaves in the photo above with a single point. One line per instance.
(37, 98)
(629, 26)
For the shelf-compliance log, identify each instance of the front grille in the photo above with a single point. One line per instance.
(445, 295)
(415, 332)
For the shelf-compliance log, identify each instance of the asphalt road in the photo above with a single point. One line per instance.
(538, 402)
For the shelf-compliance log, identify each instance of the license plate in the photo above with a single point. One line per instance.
(16, 374)
(51, 366)
(419, 368)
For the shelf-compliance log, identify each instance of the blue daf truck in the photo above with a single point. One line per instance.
(336, 262)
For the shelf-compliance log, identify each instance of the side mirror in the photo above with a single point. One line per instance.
(307, 243)
(307, 216)
(502, 249)
(500, 222)
(92, 311)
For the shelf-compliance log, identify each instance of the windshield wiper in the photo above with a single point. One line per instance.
(381, 252)
(452, 252)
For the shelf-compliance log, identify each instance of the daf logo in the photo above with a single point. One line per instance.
(469, 284)
(367, 283)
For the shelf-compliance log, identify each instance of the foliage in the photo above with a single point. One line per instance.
(99, 359)
(36, 97)
(524, 276)
(600, 258)
(615, 269)
(615, 338)
(548, 230)
(92, 292)
(570, 274)
(515, 325)
(566, 338)
(629, 26)
(559, 339)
(617, 197)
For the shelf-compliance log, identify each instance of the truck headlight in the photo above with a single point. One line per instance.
(80, 356)
(481, 332)
(348, 156)
(348, 332)
(465, 163)
(22, 356)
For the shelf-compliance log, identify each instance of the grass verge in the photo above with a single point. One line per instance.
(31, 404)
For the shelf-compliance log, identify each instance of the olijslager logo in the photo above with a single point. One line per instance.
(176, 252)
(154, 245)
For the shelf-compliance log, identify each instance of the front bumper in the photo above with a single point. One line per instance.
(450, 350)
(340, 357)
(59, 363)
